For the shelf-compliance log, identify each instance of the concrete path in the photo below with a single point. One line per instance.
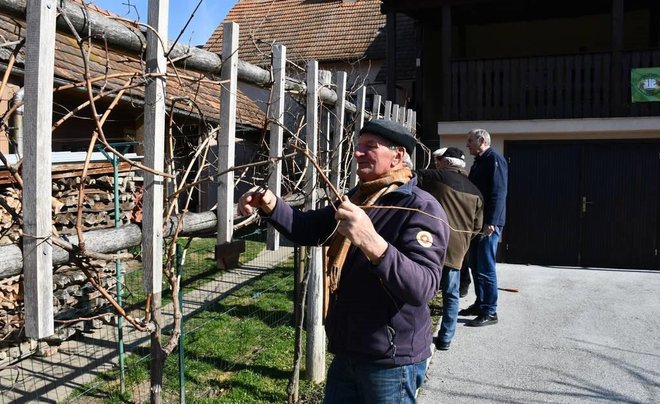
(571, 335)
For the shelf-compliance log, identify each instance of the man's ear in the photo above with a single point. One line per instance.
(398, 156)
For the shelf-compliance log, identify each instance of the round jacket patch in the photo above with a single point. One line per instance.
(425, 239)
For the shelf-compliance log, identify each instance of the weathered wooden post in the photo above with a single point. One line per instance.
(375, 108)
(338, 135)
(276, 117)
(315, 358)
(395, 112)
(387, 114)
(37, 216)
(154, 156)
(359, 122)
(226, 251)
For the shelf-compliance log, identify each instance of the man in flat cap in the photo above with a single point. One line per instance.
(463, 202)
(387, 242)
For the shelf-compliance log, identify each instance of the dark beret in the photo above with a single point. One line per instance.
(392, 131)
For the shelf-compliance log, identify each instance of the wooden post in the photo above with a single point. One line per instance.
(359, 123)
(391, 56)
(409, 120)
(395, 112)
(315, 358)
(338, 135)
(387, 114)
(325, 81)
(445, 61)
(276, 117)
(154, 156)
(154, 152)
(414, 123)
(227, 133)
(617, 99)
(375, 108)
(37, 217)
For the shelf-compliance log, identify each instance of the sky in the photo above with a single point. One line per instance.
(207, 17)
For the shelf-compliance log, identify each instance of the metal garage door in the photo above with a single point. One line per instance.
(583, 203)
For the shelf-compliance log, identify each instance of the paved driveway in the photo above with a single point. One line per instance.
(571, 335)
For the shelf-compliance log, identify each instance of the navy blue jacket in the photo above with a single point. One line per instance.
(490, 174)
(380, 313)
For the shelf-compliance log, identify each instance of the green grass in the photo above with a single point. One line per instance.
(199, 265)
(239, 350)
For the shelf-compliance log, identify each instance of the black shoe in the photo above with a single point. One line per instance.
(473, 310)
(442, 346)
(483, 320)
(463, 291)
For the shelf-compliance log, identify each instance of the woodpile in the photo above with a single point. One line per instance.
(97, 201)
(75, 300)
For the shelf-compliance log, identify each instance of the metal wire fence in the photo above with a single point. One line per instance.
(235, 346)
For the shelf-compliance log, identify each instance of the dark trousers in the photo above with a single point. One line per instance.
(465, 274)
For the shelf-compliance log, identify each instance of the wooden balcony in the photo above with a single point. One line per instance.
(548, 87)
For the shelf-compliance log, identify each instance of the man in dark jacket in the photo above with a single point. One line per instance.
(490, 174)
(387, 244)
(463, 204)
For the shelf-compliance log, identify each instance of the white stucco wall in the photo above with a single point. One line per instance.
(455, 133)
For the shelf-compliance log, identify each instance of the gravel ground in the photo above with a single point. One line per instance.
(571, 335)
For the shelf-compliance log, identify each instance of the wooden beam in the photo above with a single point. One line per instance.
(338, 133)
(445, 62)
(154, 149)
(276, 117)
(109, 240)
(227, 133)
(37, 215)
(617, 98)
(391, 56)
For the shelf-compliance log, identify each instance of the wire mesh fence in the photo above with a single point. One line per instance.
(236, 345)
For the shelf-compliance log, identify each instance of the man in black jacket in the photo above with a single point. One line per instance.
(490, 174)
(463, 204)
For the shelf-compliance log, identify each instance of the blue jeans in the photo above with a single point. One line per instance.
(483, 250)
(358, 382)
(451, 278)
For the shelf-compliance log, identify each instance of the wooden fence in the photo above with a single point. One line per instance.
(38, 247)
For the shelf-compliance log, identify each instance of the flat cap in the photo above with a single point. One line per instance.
(453, 152)
(392, 131)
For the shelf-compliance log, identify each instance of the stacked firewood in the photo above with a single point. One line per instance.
(10, 208)
(75, 300)
(97, 204)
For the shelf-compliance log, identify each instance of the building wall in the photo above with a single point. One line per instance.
(555, 36)
(455, 134)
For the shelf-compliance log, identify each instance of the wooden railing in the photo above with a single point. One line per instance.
(548, 87)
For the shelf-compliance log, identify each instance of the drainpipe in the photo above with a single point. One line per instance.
(18, 122)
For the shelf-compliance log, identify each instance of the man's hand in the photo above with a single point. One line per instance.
(489, 229)
(256, 198)
(355, 225)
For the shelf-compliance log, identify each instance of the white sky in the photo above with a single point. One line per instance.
(207, 17)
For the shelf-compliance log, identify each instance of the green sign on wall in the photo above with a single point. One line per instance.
(645, 84)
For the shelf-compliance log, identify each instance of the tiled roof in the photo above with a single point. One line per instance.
(323, 30)
(198, 87)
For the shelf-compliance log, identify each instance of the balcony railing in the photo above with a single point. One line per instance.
(548, 87)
